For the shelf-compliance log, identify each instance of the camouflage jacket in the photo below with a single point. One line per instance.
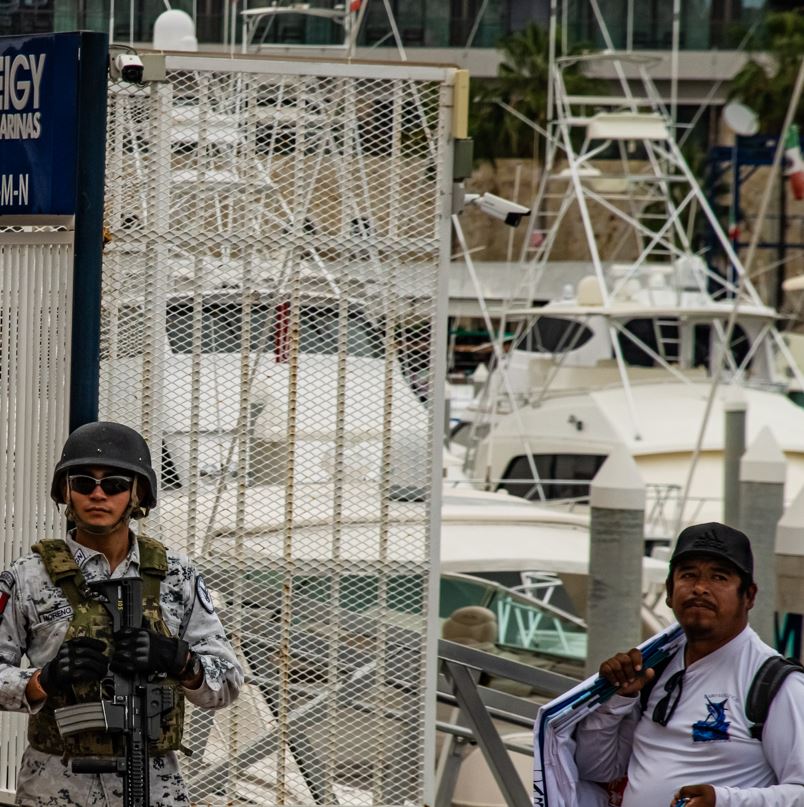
(34, 617)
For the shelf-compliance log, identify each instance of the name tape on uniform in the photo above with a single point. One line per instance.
(59, 613)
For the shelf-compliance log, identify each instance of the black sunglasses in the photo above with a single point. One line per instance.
(110, 485)
(673, 688)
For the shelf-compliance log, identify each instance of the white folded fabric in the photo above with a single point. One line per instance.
(555, 776)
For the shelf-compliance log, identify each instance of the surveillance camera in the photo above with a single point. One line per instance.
(509, 212)
(128, 67)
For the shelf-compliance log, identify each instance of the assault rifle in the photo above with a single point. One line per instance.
(129, 707)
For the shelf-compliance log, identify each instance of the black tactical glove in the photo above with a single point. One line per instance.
(80, 659)
(143, 651)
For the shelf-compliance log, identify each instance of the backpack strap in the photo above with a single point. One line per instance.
(769, 677)
(658, 669)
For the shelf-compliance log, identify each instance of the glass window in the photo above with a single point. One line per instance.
(704, 23)
(222, 325)
(660, 336)
(554, 335)
(663, 338)
(740, 345)
(562, 476)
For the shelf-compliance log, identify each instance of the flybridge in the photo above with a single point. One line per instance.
(20, 96)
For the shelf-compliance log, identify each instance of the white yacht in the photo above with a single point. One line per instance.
(631, 349)
(569, 407)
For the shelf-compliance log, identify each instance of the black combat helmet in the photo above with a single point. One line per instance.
(111, 445)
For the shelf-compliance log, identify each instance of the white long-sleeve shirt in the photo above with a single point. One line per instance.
(707, 740)
(34, 617)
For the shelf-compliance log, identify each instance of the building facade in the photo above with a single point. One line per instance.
(423, 24)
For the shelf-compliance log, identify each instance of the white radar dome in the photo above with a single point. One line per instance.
(742, 120)
(175, 30)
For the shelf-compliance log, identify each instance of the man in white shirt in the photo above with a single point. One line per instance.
(693, 743)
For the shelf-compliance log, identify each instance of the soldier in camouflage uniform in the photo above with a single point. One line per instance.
(47, 614)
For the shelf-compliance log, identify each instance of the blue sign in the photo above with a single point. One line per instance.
(38, 124)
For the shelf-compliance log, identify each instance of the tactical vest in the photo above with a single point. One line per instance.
(91, 619)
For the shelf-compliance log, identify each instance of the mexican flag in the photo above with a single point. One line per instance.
(794, 167)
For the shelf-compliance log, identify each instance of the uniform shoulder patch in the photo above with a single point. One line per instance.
(7, 580)
(204, 597)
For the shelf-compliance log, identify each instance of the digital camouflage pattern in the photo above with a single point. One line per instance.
(35, 616)
(90, 618)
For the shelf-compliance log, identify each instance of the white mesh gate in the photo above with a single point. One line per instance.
(271, 290)
(36, 277)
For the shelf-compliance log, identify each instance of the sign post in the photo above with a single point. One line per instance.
(90, 166)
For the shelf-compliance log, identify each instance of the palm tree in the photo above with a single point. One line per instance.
(522, 81)
(767, 88)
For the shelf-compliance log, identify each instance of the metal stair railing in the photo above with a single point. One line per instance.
(462, 669)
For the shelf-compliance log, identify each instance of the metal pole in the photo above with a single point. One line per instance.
(616, 548)
(777, 159)
(781, 245)
(225, 36)
(762, 474)
(790, 559)
(244, 30)
(629, 27)
(674, 62)
(87, 264)
(733, 450)
(438, 375)
(551, 50)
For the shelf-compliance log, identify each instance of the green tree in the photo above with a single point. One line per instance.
(521, 82)
(765, 86)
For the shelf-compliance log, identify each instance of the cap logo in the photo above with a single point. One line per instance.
(709, 541)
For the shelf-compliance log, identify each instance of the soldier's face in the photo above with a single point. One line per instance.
(99, 508)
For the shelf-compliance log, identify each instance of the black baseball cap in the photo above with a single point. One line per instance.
(716, 539)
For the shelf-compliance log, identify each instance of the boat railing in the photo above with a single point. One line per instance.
(481, 711)
(663, 502)
(663, 510)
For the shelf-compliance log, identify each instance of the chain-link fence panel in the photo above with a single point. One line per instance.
(271, 286)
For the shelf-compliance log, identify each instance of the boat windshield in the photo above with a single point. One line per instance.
(524, 622)
(652, 337)
(554, 335)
